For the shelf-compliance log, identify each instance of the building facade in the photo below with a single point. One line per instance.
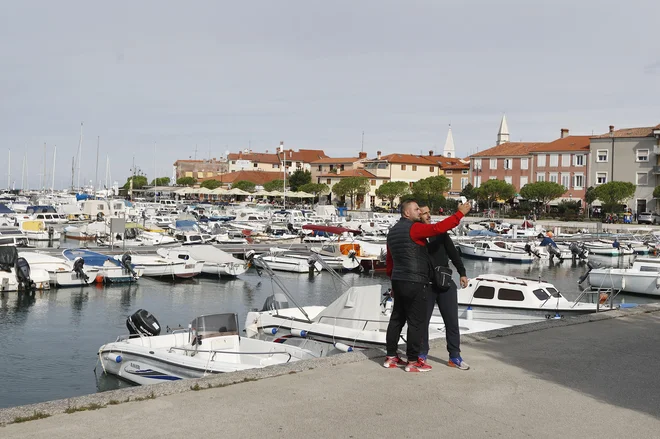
(509, 161)
(329, 165)
(362, 202)
(293, 160)
(199, 169)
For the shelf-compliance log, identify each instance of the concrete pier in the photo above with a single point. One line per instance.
(589, 376)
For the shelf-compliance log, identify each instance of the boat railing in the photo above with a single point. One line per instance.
(598, 292)
(214, 352)
(364, 327)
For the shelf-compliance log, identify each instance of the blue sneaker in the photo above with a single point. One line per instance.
(458, 363)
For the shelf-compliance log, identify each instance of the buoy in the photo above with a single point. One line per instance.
(469, 313)
(113, 357)
(299, 333)
(343, 347)
(490, 259)
(99, 279)
(271, 331)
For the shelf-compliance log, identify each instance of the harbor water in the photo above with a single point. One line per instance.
(49, 340)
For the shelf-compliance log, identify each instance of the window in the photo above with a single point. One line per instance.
(508, 164)
(541, 294)
(484, 292)
(540, 176)
(540, 160)
(373, 182)
(566, 160)
(276, 166)
(493, 163)
(255, 165)
(509, 294)
(553, 292)
(477, 181)
(578, 160)
(601, 177)
(328, 181)
(464, 182)
(477, 163)
(431, 169)
(554, 160)
(566, 180)
(508, 179)
(553, 177)
(233, 162)
(200, 174)
(492, 177)
(448, 172)
(464, 172)
(642, 179)
(601, 155)
(414, 167)
(403, 167)
(524, 163)
(578, 181)
(523, 181)
(331, 167)
(642, 155)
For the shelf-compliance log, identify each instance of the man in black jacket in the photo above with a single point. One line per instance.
(441, 249)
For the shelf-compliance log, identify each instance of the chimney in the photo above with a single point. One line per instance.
(611, 129)
(362, 155)
(290, 153)
(338, 171)
(378, 155)
(430, 152)
(564, 133)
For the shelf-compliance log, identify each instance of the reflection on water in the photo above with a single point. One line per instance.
(49, 339)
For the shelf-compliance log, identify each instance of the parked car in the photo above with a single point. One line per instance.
(648, 218)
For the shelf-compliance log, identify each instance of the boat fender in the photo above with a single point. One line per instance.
(603, 298)
(623, 283)
(271, 331)
(469, 313)
(299, 333)
(343, 347)
(113, 357)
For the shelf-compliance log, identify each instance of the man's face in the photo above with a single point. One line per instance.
(412, 212)
(425, 215)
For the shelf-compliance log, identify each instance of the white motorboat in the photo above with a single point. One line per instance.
(512, 300)
(16, 273)
(167, 265)
(494, 250)
(110, 269)
(600, 248)
(284, 260)
(642, 278)
(216, 261)
(13, 237)
(36, 230)
(212, 344)
(62, 272)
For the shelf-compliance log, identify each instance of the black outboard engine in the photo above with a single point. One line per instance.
(586, 275)
(126, 263)
(78, 268)
(528, 249)
(554, 251)
(142, 322)
(23, 275)
(578, 251)
(275, 301)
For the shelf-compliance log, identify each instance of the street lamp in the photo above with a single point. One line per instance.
(476, 169)
(280, 150)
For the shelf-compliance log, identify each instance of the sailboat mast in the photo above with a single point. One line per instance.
(43, 180)
(96, 175)
(73, 172)
(9, 171)
(23, 172)
(80, 153)
(155, 175)
(52, 186)
(107, 165)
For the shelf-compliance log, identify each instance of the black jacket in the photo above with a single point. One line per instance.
(441, 249)
(411, 260)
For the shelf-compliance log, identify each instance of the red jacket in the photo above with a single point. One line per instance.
(420, 232)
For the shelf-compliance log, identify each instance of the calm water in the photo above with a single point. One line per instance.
(49, 341)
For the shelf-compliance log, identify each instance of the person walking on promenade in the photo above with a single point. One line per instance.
(441, 250)
(408, 266)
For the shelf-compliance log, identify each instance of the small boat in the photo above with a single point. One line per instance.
(110, 269)
(216, 262)
(211, 344)
(642, 278)
(62, 272)
(13, 237)
(601, 248)
(495, 251)
(17, 275)
(168, 265)
(284, 260)
(36, 230)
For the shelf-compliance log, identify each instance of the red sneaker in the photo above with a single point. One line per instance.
(392, 362)
(418, 366)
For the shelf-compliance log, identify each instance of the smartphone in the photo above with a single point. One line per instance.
(463, 200)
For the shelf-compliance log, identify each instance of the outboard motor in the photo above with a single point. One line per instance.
(530, 251)
(78, 268)
(275, 301)
(142, 322)
(554, 251)
(23, 275)
(126, 263)
(577, 251)
(585, 275)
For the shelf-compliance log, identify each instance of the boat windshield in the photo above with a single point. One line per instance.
(553, 292)
(215, 325)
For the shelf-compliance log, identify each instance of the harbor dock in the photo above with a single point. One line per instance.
(588, 376)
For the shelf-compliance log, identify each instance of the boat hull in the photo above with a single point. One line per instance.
(647, 283)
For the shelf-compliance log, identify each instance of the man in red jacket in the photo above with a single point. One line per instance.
(409, 267)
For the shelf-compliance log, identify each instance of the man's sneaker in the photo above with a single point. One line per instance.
(392, 362)
(458, 363)
(417, 366)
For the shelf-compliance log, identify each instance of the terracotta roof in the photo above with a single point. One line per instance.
(256, 177)
(510, 149)
(408, 159)
(351, 173)
(568, 143)
(332, 161)
(303, 155)
(258, 157)
(449, 162)
(630, 132)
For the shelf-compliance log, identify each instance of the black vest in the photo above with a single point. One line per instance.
(411, 260)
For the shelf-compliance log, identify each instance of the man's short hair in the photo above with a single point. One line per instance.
(404, 205)
(423, 204)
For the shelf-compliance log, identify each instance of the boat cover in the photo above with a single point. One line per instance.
(357, 306)
(4, 210)
(330, 229)
(209, 253)
(8, 256)
(92, 259)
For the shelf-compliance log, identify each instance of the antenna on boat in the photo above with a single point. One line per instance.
(96, 175)
(79, 154)
(52, 186)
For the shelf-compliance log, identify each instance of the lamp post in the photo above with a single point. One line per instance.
(280, 150)
(476, 169)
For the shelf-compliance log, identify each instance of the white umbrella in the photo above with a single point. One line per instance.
(219, 191)
(183, 191)
(276, 193)
(263, 193)
(236, 191)
(203, 190)
(301, 194)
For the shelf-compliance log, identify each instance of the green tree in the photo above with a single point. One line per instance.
(211, 184)
(244, 185)
(469, 192)
(614, 193)
(185, 181)
(589, 198)
(352, 187)
(392, 190)
(430, 190)
(315, 188)
(299, 178)
(493, 190)
(139, 181)
(542, 192)
(656, 192)
(161, 181)
(275, 185)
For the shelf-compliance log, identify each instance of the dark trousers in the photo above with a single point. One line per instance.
(448, 303)
(410, 306)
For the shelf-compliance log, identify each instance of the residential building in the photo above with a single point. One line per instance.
(199, 169)
(328, 165)
(362, 202)
(509, 161)
(254, 161)
(403, 167)
(259, 178)
(629, 154)
(456, 170)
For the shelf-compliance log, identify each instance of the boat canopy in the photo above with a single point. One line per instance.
(92, 259)
(4, 210)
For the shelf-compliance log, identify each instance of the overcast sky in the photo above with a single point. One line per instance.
(315, 74)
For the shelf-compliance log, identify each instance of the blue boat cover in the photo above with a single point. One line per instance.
(92, 259)
(186, 225)
(5, 210)
(481, 233)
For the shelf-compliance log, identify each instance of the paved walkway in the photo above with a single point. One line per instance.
(597, 379)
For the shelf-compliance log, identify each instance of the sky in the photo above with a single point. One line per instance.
(157, 81)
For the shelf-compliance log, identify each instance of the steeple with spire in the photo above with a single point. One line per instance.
(450, 150)
(503, 134)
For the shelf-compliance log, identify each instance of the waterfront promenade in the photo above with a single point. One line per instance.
(592, 376)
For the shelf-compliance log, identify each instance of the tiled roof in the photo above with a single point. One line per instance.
(258, 157)
(332, 161)
(351, 173)
(510, 149)
(630, 132)
(568, 143)
(256, 177)
(303, 155)
(449, 162)
(408, 159)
